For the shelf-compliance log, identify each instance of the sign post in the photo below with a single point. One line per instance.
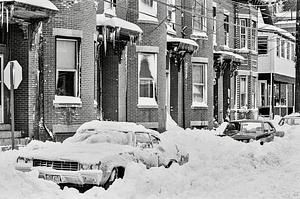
(12, 80)
(12, 108)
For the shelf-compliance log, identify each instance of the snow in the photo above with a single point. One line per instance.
(60, 100)
(268, 27)
(219, 167)
(38, 3)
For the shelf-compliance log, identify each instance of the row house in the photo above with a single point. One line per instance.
(19, 41)
(235, 59)
(276, 60)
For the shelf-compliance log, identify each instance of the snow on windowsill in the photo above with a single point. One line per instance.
(145, 102)
(199, 105)
(67, 101)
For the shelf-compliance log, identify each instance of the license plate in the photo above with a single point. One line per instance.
(54, 178)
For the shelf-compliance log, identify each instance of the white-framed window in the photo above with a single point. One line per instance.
(215, 24)
(278, 47)
(288, 50)
(253, 35)
(264, 93)
(263, 45)
(243, 33)
(226, 29)
(283, 48)
(67, 59)
(199, 74)
(243, 91)
(110, 7)
(199, 16)
(150, 8)
(171, 17)
(147, 78)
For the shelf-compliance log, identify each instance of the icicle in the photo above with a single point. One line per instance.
(140, 37)
(131, 39)
(6, 19)
(104, 38)
(2, 14)
(118, 30)
(114, 38)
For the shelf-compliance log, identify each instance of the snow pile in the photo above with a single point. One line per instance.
(219, 167)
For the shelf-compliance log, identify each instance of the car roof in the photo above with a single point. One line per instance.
(250, 120)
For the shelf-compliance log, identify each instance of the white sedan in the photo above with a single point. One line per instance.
(98, 154)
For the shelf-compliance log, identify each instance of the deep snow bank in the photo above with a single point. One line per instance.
(218, 168)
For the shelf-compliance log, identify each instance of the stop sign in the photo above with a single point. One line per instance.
(17, 74)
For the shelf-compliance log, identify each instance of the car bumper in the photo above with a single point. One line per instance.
(82, 177)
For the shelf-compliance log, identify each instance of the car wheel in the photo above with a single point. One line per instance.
(113, 176)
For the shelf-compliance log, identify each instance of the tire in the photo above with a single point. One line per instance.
(113, 176)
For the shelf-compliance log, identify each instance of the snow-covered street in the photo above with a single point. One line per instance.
(219, 167)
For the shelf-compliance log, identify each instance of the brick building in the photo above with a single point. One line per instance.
(20, 24)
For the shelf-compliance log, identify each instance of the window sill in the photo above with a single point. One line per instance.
(67, 101)
(199, 35)
(153, 20)
(145, 102)
(199, 105)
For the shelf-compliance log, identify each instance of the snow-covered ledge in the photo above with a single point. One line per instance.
(145, 102)
(67, 101)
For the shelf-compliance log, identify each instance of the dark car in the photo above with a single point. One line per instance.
(290, 120)
(251, 130)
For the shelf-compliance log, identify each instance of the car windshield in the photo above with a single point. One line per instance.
(104, 136)
(251, 127)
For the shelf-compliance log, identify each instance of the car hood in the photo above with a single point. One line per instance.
(78, 152)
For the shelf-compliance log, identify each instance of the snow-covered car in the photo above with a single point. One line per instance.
(251, 130)
(290, 120)
(99, 152)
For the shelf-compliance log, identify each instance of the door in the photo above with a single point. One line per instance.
(1, 90)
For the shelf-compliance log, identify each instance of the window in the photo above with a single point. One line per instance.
(263, 94)
(148, 10)
(199, 84)
(280, 94)
(147, 78)
(226, 29)
(199, 20)
(243, 91)
(171, 17)
(215, 25)
(66, 67)
(283, 48)
(288, 50)
(110, 7)
(253, 35)
(243, 24)
(263, 45)
(148, 2)
(278, 47)
(293, 51)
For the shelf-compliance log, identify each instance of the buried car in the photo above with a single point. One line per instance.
(293, 119)
(251, 130)
(98, 153)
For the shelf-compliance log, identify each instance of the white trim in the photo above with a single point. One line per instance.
(67, 101)
(226, 12)
(200, 59)
(150, 11)
(147, 49)
(67, 32)
(247, 16)
(247, 73)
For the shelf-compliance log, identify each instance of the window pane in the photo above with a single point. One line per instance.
(65, 83)
(146, 88)
(145, 70)
(66, 54)
(198, 74)
(198, 93)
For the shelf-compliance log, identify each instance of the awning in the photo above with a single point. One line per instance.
(36, 3)
(182, 44)
(117, 22)
(230, 54)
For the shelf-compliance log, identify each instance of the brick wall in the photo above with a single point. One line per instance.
(80, 17)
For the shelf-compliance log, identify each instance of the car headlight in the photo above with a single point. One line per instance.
(91, 166)
(23, 160)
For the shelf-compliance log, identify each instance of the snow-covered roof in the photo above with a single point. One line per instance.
(38, 3)
(234, 55)
(271, 28)
(103, 20)
(182, 40)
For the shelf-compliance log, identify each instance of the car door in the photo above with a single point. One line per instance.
(145, 151)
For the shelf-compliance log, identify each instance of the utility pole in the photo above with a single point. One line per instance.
(297, 83)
